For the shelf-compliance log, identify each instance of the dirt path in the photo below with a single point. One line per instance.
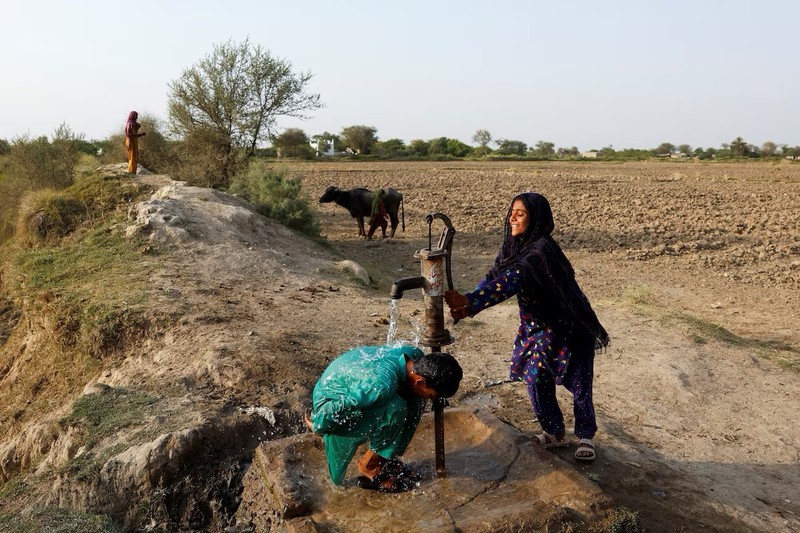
(694, 270)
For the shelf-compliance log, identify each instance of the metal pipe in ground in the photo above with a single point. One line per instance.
(438, 428)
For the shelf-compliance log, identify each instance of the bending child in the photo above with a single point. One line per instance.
(375, 395)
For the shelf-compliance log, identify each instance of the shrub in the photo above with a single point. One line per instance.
(102, 194)
(46, 215)
(274, 195)
(32, 164)
(45, 163)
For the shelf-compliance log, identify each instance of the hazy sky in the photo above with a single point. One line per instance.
(625, 73)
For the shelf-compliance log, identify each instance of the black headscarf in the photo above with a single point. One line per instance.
(543, 260)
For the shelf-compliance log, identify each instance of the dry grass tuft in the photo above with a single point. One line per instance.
(46, 215)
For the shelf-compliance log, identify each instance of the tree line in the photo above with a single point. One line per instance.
(363, 140)
(224, 109)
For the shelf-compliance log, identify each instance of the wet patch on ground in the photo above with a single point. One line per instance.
(497, 479)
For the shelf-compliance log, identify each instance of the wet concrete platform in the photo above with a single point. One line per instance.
(497, 479)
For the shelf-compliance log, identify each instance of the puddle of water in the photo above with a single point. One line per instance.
(495, 480)
(481, 400)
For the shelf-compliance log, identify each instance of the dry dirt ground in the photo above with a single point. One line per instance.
(693, 268)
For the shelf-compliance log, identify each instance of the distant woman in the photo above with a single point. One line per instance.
(132, 141)
(558, 332)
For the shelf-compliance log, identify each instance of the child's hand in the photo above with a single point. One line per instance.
(308, 422)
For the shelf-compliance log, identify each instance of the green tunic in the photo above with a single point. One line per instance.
(361, 398)
(377, 199)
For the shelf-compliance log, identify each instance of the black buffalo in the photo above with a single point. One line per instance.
(359, 202)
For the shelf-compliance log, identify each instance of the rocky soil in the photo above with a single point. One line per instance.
(693, 268)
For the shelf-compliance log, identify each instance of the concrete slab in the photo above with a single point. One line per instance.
(497, 479)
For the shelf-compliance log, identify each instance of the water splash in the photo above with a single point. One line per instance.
(416, 331)
(392, 336)
(264, 412)
(369, 355)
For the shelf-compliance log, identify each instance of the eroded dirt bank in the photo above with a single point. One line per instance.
(693, 268)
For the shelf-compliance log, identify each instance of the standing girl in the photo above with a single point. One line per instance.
(132, 141)
(558, 332)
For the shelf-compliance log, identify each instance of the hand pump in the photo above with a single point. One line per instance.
(435, 270)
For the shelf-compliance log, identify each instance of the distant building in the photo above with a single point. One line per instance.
(591, 154)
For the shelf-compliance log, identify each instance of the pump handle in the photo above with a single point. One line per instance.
(445, 244)
(445, 241)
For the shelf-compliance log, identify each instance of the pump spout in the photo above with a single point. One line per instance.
(401, 285)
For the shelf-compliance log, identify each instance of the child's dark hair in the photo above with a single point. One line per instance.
(441, 372)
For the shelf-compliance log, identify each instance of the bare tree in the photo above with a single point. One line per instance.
(483, 138)
(229, 102)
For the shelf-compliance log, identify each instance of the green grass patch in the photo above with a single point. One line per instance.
(784, 358)
(640, 295)
(102, 414)
(102, 251)
(94, 289)
(701, 330)
(55, 520)
(105, 194)
(86, 467)
(93, 294)
(13, 489)
(46, 216)
(92, 285)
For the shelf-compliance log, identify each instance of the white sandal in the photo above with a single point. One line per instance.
(551, 441)
(585, 451)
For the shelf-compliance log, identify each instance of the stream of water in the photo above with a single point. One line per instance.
(392, 337)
